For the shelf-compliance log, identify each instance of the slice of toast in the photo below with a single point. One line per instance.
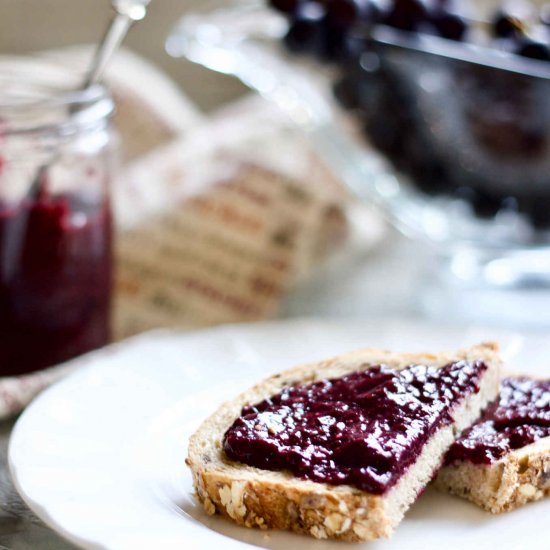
(504, 482)
(256, 497)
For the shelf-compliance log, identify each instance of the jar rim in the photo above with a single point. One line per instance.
(38, 94)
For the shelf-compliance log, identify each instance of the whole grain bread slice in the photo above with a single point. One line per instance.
(255, 497)
(518, 477)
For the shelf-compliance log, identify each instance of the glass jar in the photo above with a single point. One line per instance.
(55, 216)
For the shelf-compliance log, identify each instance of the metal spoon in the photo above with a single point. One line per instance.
(127, 12)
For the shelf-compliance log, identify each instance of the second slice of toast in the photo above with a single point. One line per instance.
(503, 461)
(258, 497)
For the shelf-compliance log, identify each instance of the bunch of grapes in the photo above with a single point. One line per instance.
(328, 28)
(339, 31)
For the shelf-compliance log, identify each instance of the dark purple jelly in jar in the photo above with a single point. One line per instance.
(56, 146)
(55, 280)
(364, 429)
(519, 417)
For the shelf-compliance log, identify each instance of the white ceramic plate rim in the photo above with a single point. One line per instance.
(308, 339)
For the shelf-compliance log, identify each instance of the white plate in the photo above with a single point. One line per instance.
(100, 456)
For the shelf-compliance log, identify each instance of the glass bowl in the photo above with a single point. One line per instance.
(451, 139)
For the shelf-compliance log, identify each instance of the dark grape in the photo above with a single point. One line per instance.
(465, 193)
(386, 134)
(534, 49)
(306, 31)
(344, 40)
(429, 175)
(506, 25)
(284, 6)
(449, 25)
(510, 204)
(371, 12)
(333, 47)
(347, 91)
(303, 36)
(342, 13)
(486, 205)
(537, 208)
(406, 15)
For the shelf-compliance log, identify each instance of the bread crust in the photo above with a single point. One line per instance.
(519, 477)
(276, 499)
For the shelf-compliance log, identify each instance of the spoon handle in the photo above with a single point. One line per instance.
(127, 12)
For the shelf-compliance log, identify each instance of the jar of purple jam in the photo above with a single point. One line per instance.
(55, 216)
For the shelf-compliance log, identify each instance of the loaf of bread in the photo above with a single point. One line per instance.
(488, 472)
(257, 497)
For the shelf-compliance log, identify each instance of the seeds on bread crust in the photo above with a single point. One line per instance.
(503, 461)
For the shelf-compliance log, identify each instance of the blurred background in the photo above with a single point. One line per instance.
(31, 25)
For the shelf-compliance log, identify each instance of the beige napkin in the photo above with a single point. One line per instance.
(225, 230)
